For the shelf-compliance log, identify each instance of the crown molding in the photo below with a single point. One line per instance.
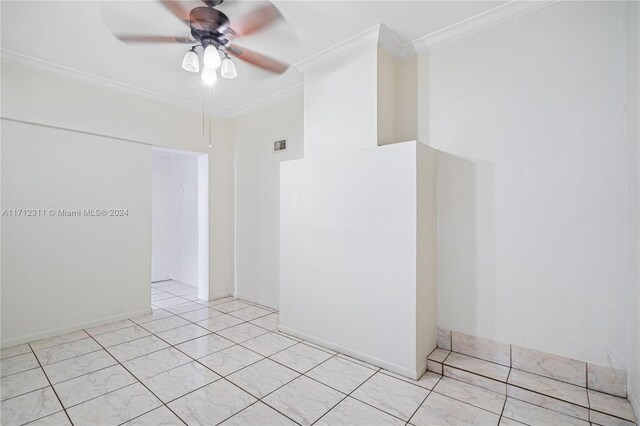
(274, 98)
(482, 21)
(24, 61)
(344, 48)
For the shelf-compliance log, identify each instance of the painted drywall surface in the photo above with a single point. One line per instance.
(257, 170)
(60, 272)
(184, 219)
(340, 104)
(348, 252)
(387, 98)
(407, 99)
(43, 98)
(161, 217)
(632, 28)
(529, 118)
(426, 252)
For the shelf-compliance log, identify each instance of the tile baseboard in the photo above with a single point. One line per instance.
(575, 372)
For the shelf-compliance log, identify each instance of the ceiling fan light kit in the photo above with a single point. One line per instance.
(212, 29)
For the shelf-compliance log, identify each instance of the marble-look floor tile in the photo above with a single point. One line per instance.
(478, 347)
(155, 363)
(161, 296)
(159, 417)
(21, 383)
(258, 414)
(136, 348)
(231, 359)
(341, 374)
(359, 362)
(230, 306)
(505, 421)
(550, 387)
(184, 308)
(301, 357)
(268, 344)
(242, 332)
(428, 380)
(14, 351)
(444, 338)
(220, 322)
(18, 364)
(548, 402)
(479, 397)
(607, 379)
(200, 314)
(478, 366)
(250, 313)
(58, 419)
(164, 324)
(613, 405)
(304, 400)
(602, 419)
(391, 395)
(441, 410)
(156, 314)
(549, 365)
(166, 303)
(211, 404)
(270, 322)
(474, 379)
(28, 407)
(92, 385)
(438, 355)
(351, 412)
(58, 340)
(121, 336)
(216, 301)
(112, 326)
(533, 415)
(77, 366)
(205, 345)
(182, 334)
(434, 367)
(175, 383)
(115, 407)
(67, 350)
(262, 378)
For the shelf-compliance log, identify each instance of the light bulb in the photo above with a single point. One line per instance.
(228, 69)
(190, 62)
(211, 56)
(209, 75)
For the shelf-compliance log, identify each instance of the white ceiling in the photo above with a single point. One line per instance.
(77, 35)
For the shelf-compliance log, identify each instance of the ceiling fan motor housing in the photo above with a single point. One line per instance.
(209, 26)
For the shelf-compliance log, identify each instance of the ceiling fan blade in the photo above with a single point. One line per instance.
(256, 20)
(256, 59)
(177, 9)
(140, 38)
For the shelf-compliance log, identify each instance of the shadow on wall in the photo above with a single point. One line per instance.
(466, 222)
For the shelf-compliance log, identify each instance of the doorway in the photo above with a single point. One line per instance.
(180, 222)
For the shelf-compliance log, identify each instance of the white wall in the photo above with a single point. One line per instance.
(62, 273)
(348, 254)
(529, 118)
(184, 219)
(161, 217)
(42, 98)
(340, 104)
(53, 100)
(258, 196)
(632, 27)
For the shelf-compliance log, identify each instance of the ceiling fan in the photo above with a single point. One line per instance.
(211, 30)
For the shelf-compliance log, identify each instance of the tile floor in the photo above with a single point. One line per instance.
(224, 362)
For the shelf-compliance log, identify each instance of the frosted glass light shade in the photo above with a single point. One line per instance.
(211, 57)
(209, 75)
(190, 62)
(228, 69)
